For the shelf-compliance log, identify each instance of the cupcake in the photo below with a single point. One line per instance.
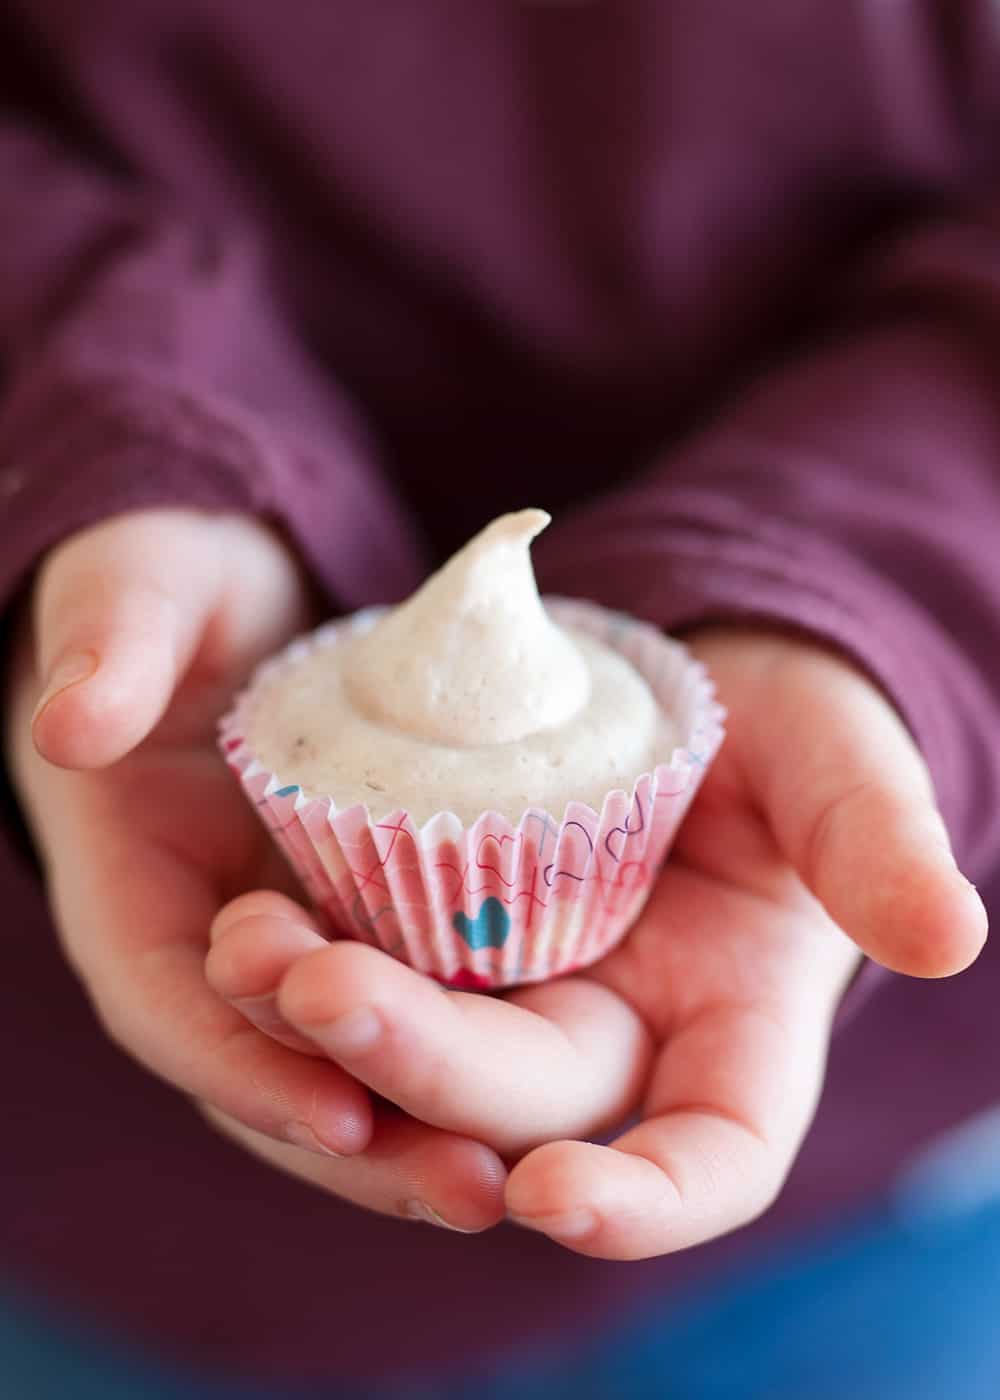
(480, 784)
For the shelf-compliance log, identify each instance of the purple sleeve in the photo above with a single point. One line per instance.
(853, 492)
(145, 360)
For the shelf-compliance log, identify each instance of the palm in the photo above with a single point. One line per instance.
(171, 798)
(730, 928)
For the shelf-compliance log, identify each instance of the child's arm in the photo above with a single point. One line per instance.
(146, 359)
(146, 363)
(852, 494)
(144, 835)
(850, 502)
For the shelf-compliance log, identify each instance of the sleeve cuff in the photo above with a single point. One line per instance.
(84, 451)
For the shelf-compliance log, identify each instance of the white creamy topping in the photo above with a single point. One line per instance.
(466, 698)
(472, 658)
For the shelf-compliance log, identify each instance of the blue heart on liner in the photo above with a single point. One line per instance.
(490, 927)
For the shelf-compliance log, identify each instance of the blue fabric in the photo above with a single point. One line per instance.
(895, 1307)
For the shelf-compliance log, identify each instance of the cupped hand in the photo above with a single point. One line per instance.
(139, 631)
(814, 839)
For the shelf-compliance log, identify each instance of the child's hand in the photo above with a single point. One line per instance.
(144, 835)
(710, 1023)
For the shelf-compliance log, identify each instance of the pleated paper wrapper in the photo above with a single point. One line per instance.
(492, 904)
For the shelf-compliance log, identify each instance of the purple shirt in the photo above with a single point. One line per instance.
(717, 283)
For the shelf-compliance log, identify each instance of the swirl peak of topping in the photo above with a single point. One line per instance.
(472, 657)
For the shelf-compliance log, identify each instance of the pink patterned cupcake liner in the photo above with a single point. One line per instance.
(492, 904)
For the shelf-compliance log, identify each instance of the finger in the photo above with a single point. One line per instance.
(857, 816)
(731, 1098)
(118, 615)
(851, 805)
(120, 612)
(141, 959)
(255, 940)
(562, 1059)
(408, 1170)
(263, 903)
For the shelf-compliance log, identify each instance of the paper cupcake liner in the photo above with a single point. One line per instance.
(492, 904)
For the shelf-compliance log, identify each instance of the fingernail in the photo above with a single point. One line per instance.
(351, 1034)
(420, 1210)
(262, 1011)
(68, 670)
(302, 1135)
(569, 1225)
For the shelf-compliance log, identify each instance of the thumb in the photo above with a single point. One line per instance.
(119, 611)
(852, 806)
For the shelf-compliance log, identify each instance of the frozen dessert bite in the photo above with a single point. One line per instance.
(478, 781)
(467, 698)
